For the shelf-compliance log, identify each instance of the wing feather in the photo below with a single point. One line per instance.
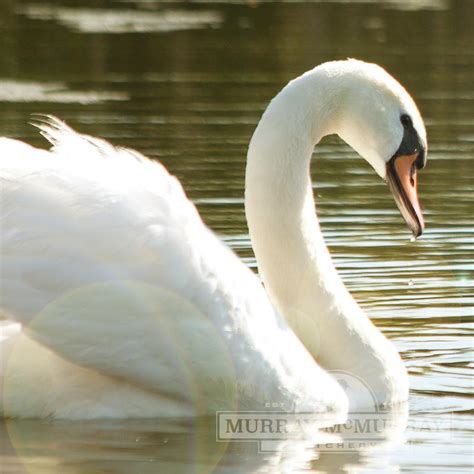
(102, 255)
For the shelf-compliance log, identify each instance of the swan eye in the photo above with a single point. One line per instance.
(406, 120)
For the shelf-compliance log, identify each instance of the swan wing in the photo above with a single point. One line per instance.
(85, 212)
(106, 262)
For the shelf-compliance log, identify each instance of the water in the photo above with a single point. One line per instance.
(186, 83)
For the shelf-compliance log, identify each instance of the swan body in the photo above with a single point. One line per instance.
(142, 311)
(117, 301)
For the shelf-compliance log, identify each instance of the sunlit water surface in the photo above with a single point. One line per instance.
(186, 83)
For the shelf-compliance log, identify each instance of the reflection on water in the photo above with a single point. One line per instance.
(16, 91)
(95, 20)
(190, 92)
(177, 446)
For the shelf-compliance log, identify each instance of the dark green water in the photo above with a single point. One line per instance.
(186, 83)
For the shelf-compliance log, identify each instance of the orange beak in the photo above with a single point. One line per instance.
(403, 181)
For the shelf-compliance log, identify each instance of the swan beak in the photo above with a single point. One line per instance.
(403, 181)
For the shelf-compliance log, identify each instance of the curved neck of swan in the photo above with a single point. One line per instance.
(292, 257)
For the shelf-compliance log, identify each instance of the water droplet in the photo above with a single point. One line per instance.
(410, 283)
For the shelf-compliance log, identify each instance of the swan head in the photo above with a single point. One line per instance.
(378, 118)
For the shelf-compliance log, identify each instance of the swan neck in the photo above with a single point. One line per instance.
(293, 260)
(292, 257)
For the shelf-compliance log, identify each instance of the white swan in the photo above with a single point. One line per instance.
(118, 301)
